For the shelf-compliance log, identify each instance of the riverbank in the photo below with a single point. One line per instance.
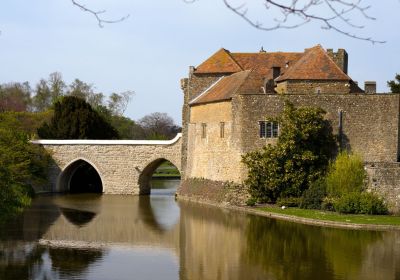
(310, 217)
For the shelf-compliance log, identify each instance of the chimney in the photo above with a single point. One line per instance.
(276, 72)
(340, 58)
(370, 87)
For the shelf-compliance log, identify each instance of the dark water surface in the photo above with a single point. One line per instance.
(85, 236)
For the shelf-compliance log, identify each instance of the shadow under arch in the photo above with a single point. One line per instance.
(147, 173)
(80, 176)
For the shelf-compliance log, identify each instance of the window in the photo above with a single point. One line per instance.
(203, 130)
(222, 129)
(269, 129)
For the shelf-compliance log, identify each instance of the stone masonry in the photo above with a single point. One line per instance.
(124, 166)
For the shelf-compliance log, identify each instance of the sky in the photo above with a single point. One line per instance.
(152, 50)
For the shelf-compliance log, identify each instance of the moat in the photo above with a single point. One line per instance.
(92, 236)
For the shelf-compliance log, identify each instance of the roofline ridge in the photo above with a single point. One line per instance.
(234, 60)
(206, 90)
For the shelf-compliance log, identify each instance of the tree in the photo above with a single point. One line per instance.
(346, 175)
(117, 103)
(22, 166)
(80, 89)
(15, 97)
(333, 15)
(57, 86)
(74, 118)
(42, 99)
(301, 155)
(393, 85)
(159, 126)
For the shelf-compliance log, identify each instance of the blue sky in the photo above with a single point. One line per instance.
(151, 51)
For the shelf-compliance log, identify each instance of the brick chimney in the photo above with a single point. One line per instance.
(370, 87)
(340, 58)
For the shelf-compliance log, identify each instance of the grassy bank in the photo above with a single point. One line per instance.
(166, 171)
(333, 216)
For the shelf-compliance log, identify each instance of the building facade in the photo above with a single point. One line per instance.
(229, 97)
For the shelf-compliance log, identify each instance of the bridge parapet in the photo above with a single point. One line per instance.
(124, 166)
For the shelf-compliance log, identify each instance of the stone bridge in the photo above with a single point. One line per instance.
(124, 166)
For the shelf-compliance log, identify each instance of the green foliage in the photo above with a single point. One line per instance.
(314, 196)
(346, 175)
(75, 119)
(27, 122)
(22, 166)
(393, 85)
(301, 155)
(360, 203)
(251, 201)
(288, 201)
(328, 203)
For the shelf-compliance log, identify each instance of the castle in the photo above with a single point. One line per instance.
(229, 97)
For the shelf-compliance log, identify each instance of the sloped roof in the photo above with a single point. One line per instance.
(224, 61)
(263, 61)
(315, 64)
(223, 89)
(219, 62)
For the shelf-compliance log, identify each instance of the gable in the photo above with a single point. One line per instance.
(315, 64)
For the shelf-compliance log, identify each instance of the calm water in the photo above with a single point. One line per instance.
(128, 237)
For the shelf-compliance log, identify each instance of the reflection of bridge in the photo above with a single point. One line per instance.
(124, 166)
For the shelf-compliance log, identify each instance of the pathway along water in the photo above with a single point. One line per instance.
(89, 236)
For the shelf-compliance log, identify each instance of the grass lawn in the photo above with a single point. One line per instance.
(166, 170)
(335, 217)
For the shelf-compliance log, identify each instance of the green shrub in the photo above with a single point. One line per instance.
(348, 203)
(328, 204)
(288, 201)
(314, 196)
(300, 156)
(371, 204)
(251, 201)
(360, 203)
(346, 175)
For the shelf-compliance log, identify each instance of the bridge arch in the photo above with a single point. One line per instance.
(147, 173)
(80, 175)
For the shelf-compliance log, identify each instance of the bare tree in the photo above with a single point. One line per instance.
(98, 14)
(118, 102)
(159, 126)
(332, 14)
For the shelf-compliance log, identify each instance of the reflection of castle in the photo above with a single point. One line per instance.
(229, 96)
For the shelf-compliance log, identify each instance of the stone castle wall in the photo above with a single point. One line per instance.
(384, 179)
(213, 157)
(191, 87)
(370, 123)
(307, 86)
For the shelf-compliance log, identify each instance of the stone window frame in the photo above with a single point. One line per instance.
(268, 129)
(222, 129)
(203, 130)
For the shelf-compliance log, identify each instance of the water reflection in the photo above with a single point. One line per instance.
(78, 217)
(125, 237)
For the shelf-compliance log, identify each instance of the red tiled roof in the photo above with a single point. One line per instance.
(223, 89)
(263, 62)
(224, 61)
(220, 62)
(315, 64)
